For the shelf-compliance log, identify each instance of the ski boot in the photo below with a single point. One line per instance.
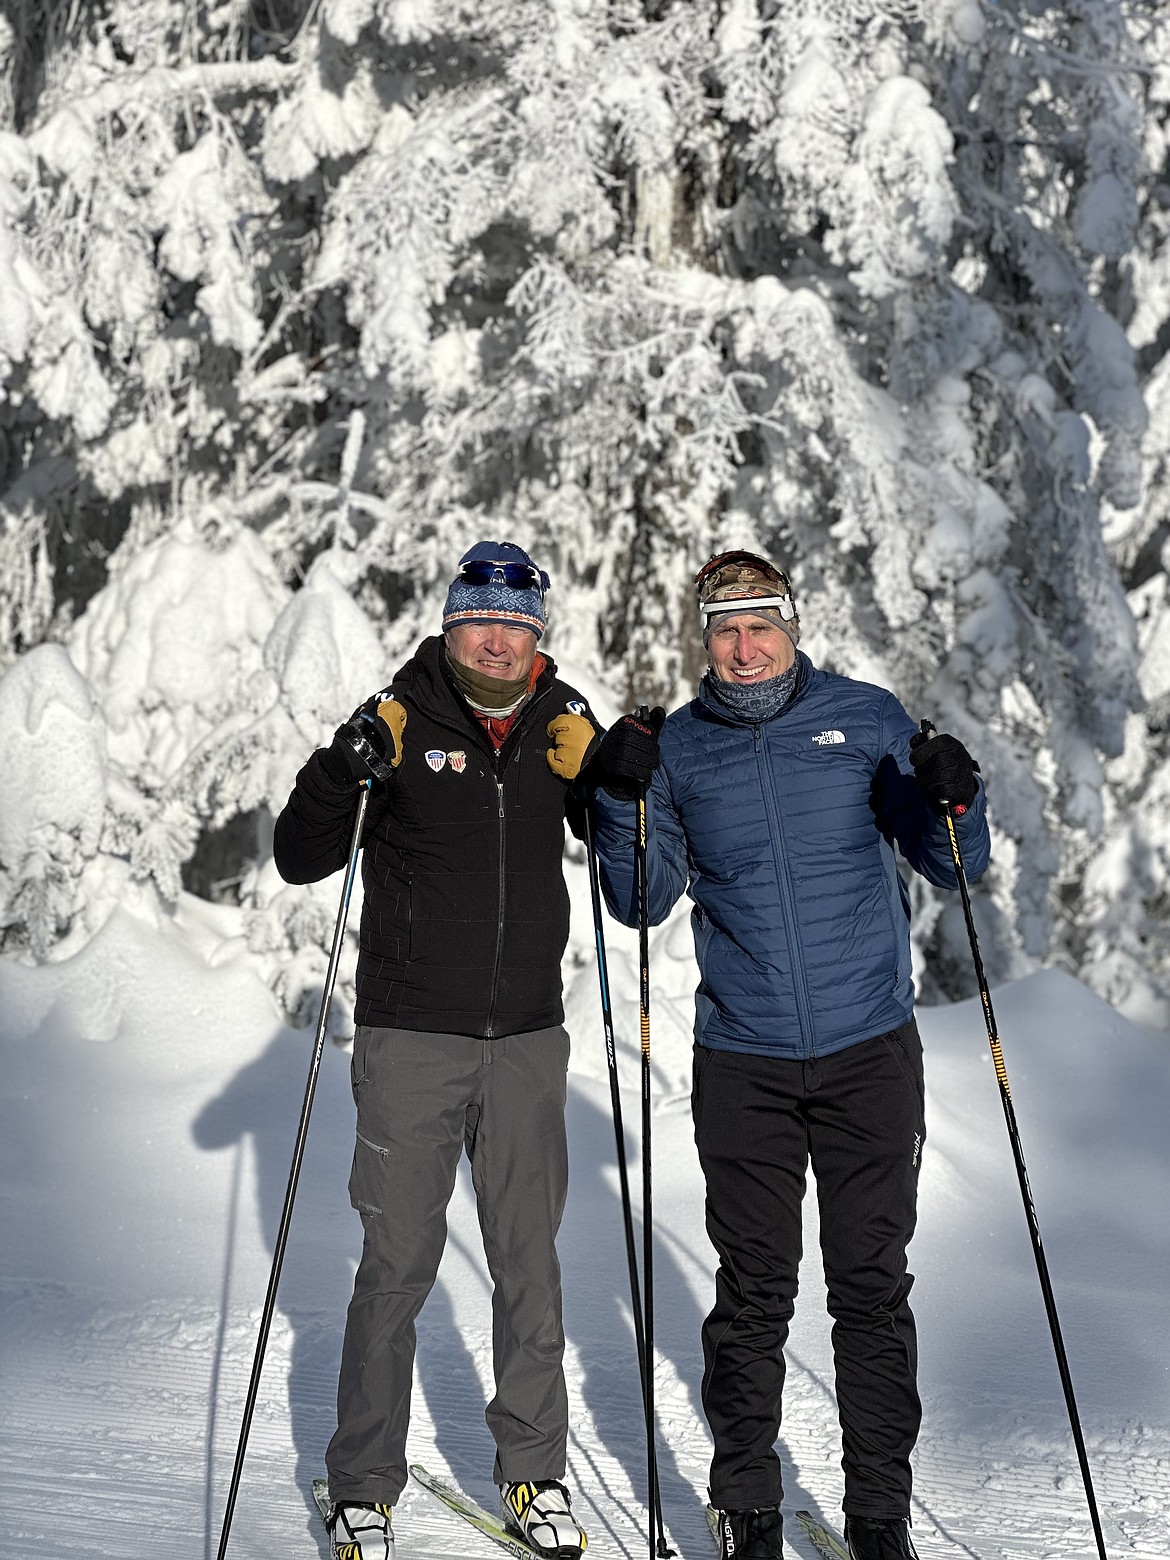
(539, 1514)
(870, 1540)
(750, 1535)
(361, 1532)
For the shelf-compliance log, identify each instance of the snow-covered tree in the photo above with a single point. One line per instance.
(1117, 930)
(299, 300)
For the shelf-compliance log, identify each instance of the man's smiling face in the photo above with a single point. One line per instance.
(493, 649)
(746, 647)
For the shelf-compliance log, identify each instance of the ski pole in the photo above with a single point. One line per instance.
(643, 713)
(295, 1172)
(619, 1133)
(1009, 1112)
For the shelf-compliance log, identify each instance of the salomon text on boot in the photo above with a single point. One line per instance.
(750, 1535)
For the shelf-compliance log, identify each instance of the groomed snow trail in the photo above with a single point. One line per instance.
(145, 1141)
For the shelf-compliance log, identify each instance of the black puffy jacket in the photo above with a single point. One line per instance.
(465, 913)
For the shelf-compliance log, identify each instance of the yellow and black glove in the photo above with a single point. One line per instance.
(370, 741)
(573, 736)
(391, 714)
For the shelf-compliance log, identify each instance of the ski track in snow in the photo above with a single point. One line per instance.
(109, 1409)
(143, 1179)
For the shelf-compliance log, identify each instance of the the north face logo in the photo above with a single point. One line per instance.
(828, 738)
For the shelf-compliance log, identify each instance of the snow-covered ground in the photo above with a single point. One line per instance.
(149, 1096)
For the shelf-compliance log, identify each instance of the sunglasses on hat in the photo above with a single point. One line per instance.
(513, 576)
(733, 577)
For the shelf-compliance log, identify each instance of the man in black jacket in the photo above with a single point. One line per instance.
(459, 1040)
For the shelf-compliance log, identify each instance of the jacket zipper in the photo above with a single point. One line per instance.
(489, 1032)
(510, 743)
(484, 742)
(784, 883)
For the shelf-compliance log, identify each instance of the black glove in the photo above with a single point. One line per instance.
(627, 755)
(944, 769)
(368, 743)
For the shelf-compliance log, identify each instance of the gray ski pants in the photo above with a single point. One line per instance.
(422, 1099)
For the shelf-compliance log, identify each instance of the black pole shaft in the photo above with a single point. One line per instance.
(647, 1189)
(1009, 1112)
(295, 1172)
(619, 1133)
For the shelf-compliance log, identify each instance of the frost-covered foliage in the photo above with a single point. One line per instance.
(296, 301)
(1119, 930)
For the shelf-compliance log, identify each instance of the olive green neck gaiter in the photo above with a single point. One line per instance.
(489, 695)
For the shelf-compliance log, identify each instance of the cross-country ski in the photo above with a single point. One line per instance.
(828, 1543)
(492, 1527)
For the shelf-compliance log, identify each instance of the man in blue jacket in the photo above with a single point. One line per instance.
(776, 800)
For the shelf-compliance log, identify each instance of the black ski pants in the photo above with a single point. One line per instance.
(857, 1116)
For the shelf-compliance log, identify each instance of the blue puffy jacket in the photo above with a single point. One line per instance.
(783, 834)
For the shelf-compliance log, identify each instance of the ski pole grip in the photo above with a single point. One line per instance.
(642, 713)
(928, 730)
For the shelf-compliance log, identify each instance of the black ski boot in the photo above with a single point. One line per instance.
(870, 1540)
(750, 1535)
